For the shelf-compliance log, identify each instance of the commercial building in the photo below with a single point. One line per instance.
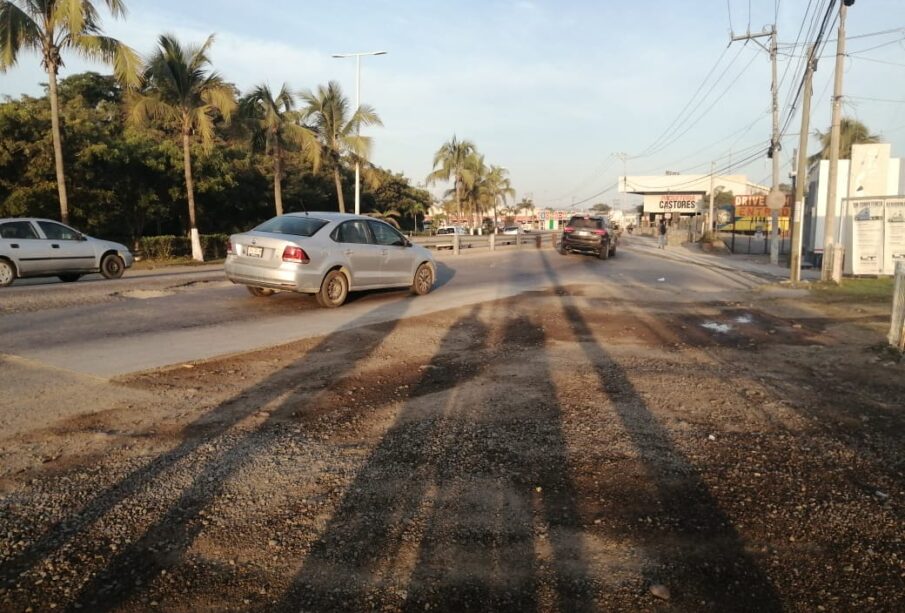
(683, 195)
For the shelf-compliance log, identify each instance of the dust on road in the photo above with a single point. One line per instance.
(555, 451)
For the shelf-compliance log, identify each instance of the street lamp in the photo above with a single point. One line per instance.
(357, 57)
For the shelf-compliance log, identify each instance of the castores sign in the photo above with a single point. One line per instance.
(673, 203)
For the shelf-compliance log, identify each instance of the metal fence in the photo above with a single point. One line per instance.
(752, 244)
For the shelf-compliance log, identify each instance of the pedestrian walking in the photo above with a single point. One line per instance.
(662, 231)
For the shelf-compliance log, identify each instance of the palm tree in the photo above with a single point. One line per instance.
(50, 27)
(391, 216)
(277, 126)
(499, 187)
(327, 110)
(851, 132)
(452, 159)
(183, 93)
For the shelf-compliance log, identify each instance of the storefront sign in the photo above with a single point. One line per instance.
(673, 203)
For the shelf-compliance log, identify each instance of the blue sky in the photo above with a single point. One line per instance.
(549, 90)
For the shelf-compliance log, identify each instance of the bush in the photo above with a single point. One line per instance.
(167, 247)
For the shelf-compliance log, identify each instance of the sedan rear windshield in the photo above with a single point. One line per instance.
(290, 224)
(581, 222)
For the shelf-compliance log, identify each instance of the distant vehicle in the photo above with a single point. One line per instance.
(327, 255)
(589, 234)
(452, 230)
(511, 230)
(527, 227)
(31, 247)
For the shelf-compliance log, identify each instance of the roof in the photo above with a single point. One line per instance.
(328, 215)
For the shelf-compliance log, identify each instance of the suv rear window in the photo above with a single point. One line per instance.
(591, 223)
(291, 224)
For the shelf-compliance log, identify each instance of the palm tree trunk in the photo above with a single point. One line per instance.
(197, 254)
(277, 178)
(339, 189)
(458, 201)
(57, 141)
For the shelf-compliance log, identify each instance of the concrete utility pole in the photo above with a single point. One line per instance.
(776, 199)
(710, 217)
(831, 271)
(801, 168)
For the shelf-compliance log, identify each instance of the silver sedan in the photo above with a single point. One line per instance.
(43, 248)
(328, 255)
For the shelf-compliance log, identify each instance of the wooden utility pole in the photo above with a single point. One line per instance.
(801, 171)
(831, 270)
(775, 198)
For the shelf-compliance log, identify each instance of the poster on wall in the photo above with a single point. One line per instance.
(894, 234)
(867, 220)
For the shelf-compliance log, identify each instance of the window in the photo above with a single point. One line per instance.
(58, 232)
(589, 223)
(386, 235)
(352, 232)
(292, 224)
(17, 229)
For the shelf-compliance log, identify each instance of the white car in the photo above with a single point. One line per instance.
(327, 255)
(511, 230)
(452, 230)
(31, 247)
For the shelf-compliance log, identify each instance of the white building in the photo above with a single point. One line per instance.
(875, 174)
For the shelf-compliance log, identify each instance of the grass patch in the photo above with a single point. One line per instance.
(855, 290)
(169, 262)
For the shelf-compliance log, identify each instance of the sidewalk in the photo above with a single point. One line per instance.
(758, 265)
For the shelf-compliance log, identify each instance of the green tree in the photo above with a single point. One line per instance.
(602, 207)
(50, 27)
(276, 126)
(851, 132)
(451, 161)
(183, 94)
(327, 111)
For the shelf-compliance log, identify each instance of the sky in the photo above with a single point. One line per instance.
(550, 90)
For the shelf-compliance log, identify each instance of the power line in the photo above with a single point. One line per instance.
(876, 99)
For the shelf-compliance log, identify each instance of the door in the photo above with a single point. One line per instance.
(362, 256)
(396, 258)
(20, 241)
(66, 248)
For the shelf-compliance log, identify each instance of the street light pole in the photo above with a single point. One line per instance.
(357, 56)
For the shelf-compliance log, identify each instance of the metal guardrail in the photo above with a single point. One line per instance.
(490, 242)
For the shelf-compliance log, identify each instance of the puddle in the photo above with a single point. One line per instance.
(718, 328)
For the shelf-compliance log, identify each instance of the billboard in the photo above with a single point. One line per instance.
(874, 235)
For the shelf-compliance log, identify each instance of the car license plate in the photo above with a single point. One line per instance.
(254, 252)
(583, 233)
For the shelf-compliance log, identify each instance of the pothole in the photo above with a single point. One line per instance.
(145, 294)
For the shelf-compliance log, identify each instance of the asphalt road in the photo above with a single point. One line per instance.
(155, 319)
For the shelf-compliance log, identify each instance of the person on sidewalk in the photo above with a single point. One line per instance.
(662, 232)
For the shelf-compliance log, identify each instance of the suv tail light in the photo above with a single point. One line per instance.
(295, 254)
(568, 229)
(600, 232)
(229, 247)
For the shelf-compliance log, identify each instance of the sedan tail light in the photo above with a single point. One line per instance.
(600, 232)
(295, 254)
(568, 229)
(229, 247)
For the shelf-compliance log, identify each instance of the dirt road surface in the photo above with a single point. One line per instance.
(568, 449)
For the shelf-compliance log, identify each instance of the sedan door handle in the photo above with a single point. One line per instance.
(349, 251)
(55, 246)
(14, 246)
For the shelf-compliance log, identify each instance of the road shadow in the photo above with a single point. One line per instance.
(444, 514)
(105, 591)
(700, 551)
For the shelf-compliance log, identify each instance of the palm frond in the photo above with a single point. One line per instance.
(17, 31)
(126, 62)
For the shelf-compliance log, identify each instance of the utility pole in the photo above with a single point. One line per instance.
(775, 199)
(801, 169)
(623, 156)
(710, 217)
(831, 271)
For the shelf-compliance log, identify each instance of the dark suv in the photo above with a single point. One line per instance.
(586, 234)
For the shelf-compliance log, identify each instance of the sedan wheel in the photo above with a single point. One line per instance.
(112, 266)
(604, 251)
(7, 273)
(424, 280)
(334, 290)
(260, 292)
